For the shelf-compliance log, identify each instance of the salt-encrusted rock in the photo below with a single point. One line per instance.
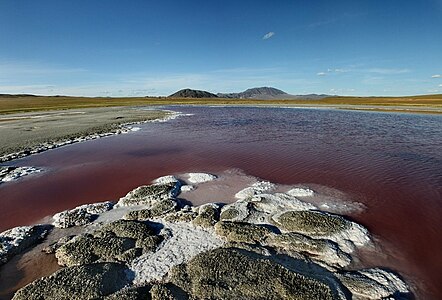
(277, 202)
(243, 232)
(150, 194)
(187, 188)
(158, 209)
(374, 283)
(323, 225)
(237, 211)
(119, 241)
(264, 246)
(80, 282)
(257, 188)
(166, 180)
(81, 215)
(233, 274)
(16, 240)
(9, 173)
(200, 177)
(259, 208)
(208, 215)
(319, 249)
(301, 192)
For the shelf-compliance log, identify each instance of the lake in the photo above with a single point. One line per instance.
(391, 163)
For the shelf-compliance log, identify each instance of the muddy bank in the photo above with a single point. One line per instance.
(29, 133)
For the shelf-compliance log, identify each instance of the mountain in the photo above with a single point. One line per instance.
(255, 93)
(188, 93)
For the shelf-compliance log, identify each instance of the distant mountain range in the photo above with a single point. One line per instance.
(259, 93)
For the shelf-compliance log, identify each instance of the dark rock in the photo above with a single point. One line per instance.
(233, 274)
(158, 209)
(208, 215)
(243, 232)
(181, 216)
(128, 229)
(50, 249)
(80, 282)
(132, 293)
(314, 223)
(166, 292)
(119, 241)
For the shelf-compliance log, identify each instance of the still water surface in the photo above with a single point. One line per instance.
(392, 163)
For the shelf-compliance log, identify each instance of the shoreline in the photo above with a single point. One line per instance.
(107, 129)
(207, 228)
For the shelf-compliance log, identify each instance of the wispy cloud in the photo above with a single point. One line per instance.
(341, 70)
(381, 71)
(388, 71)
(342, 91)
(321, 74)
(268, 35)
(8, 68)
(436, 76)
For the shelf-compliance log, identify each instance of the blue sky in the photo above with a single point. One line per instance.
(137, 48)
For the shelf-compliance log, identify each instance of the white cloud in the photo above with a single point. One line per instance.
(440, 85)
(268, 35)
(342, 91)
(321, 74)
(436, 76)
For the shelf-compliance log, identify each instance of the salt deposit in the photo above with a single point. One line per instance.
(256, 188)
(10, 173)
(301, 192)
(200, 177)
(185, 242)
(80, 215)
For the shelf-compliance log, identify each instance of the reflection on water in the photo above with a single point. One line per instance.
(392, 163)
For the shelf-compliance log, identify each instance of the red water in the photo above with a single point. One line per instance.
(390, 162)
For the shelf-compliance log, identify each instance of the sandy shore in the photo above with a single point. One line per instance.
(27, 133)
